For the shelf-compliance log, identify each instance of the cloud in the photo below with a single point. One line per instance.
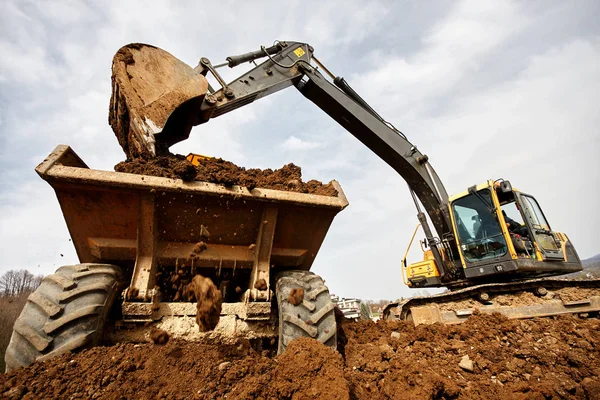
(34, 236)
(294, 143)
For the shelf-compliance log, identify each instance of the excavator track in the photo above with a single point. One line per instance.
(542, 297)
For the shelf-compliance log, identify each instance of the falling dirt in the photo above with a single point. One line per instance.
(296, 296)
(158, 336)
(198, 248)
(217, 170)
(544, 358)
(260, 284)
(209, 300)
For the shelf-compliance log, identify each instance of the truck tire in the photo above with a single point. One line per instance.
(314, 317)
(65, 313)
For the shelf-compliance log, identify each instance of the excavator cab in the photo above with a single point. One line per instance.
(501, 232)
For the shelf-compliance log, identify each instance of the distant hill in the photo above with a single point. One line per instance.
(591, 268)
(591, 260)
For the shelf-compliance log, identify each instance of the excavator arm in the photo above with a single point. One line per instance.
(289, 64)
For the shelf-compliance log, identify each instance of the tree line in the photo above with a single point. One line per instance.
(14, 282)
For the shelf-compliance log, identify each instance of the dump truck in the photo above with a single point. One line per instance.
(136, 236)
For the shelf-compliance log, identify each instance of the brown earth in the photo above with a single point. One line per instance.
(549, 358)
(209, 300)
(158, 336)
(217, 170)
(296, 296)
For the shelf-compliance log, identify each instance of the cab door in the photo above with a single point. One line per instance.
(538, 225)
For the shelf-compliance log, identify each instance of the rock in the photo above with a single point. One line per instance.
(466, 363)
(223, 365)
(395, 335)
(387, 351)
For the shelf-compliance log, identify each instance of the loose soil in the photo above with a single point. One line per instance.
(296, 296)
(547, 358)
(158, 336)
(209, 298)
(217, 170)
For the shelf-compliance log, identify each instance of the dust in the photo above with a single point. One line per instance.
(217, 170)
(209, 300)
(296, 296)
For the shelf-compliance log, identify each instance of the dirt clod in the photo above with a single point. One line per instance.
(198, 248)
(296, 296)
(185, 170)
(209, 300)
(260, 284)
(466, 363)
(158, 336)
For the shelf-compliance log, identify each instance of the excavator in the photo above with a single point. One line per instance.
(489, 242)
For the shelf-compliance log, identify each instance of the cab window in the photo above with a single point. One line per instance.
(537, 217)
(479, 231)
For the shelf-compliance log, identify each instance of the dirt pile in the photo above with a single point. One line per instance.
(511, 359)
(217, 170)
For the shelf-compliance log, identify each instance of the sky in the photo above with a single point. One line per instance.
(486, 89)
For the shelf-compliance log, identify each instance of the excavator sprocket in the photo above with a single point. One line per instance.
(542, 297)
(153, 93)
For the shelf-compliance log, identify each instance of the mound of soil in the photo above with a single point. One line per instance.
(543, 358)
(511, 359)
(217, 170)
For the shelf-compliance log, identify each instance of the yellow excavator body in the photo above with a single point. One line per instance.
(195, 158)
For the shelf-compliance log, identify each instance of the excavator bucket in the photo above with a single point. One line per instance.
(153, 93)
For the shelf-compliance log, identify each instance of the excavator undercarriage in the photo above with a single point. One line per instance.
(542, 297)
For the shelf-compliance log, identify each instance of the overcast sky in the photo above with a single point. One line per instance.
(486, 89)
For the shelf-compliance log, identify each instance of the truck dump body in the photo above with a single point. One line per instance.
(148, 225)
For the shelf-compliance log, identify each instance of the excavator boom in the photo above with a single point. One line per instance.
(288, 63)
